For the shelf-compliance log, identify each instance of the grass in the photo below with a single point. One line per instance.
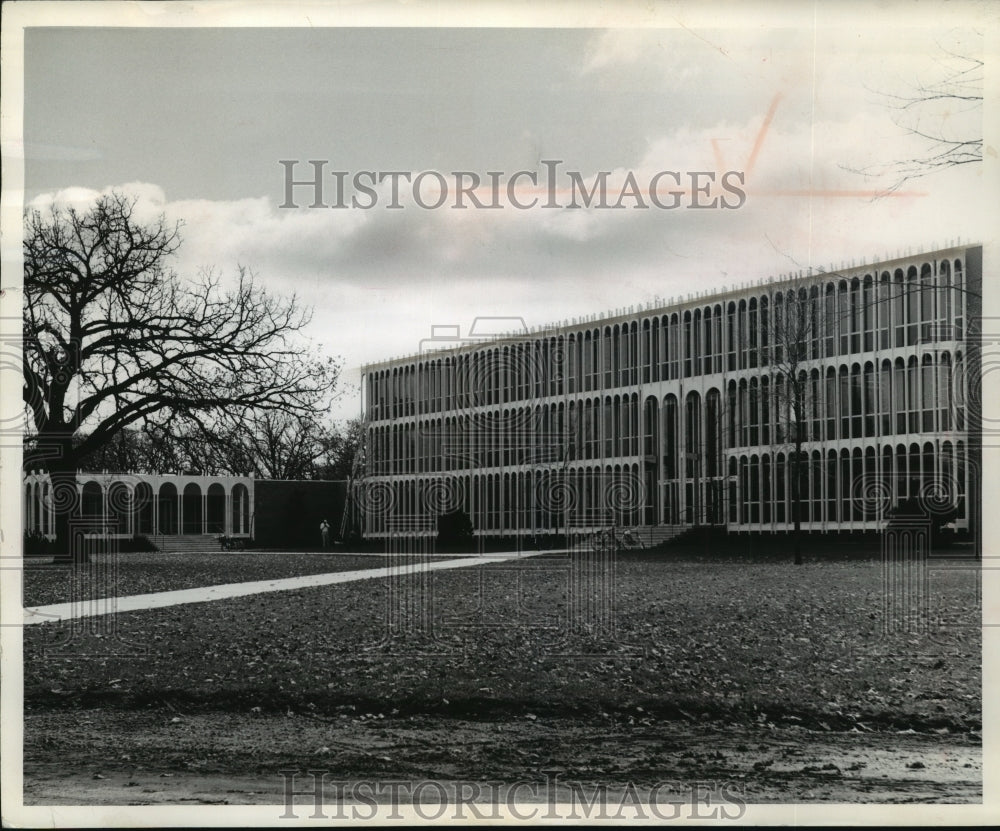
(144, 572)
(754, 642)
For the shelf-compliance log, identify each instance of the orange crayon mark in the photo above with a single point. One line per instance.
(762, 133)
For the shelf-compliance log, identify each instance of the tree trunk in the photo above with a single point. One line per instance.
(65, 502)
(796, 506)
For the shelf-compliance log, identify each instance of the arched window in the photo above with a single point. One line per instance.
(92, 504)
(902, 480)
(845, 402)
(754, 489)
(899, 395)
(855, 316)
(884, 310)
(885, 398)
(780, 491)
(215, 509)
(899, 307)
(856, 401)
(687, 344)
(766, 480)
(912, 399)
(958, 281)
(742, 336)
(944, 392)
(889, 485)
(846, 482)
(670, 447)
(608, 359)
(765, 410)
(832, 515)
(912, 306)
(708, 347)
(830, 327)
(167, 509)
(743, 414)
(191, 507)
(765, 332)
(717, 338)
(616, 358)
(928, 396)
(869, 486)
(744, 486)
(844, 315)
(119, 508)
(927, 312)
(816, 486)
(732, 337)
(733, 487)
(868, 313)
(656, 350)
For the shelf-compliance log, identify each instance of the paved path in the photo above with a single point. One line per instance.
(203, 594)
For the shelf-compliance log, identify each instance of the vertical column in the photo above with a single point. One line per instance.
(156, 508)
(50, 519)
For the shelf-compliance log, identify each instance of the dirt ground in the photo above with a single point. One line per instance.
(164, 757)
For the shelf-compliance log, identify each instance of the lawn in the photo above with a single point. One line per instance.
(754, 642)
(117, 575)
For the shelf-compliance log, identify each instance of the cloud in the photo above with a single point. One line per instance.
(378, 279)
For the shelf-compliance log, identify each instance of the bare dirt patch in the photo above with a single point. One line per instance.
(160, 757)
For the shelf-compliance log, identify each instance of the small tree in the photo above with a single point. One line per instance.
(114, 339)
(792, 325)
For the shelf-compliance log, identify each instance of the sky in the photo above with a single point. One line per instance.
(194, 123)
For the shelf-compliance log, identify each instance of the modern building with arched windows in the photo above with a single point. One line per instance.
(691, 413)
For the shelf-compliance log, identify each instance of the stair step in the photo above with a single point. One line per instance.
(186, 543)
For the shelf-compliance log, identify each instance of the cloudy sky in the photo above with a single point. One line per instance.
(194, 121)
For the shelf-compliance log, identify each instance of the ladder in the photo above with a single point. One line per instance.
(350, 503)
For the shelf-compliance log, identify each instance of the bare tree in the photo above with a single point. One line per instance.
(132, 449)
(792, 326)
(345, 452)
(114, 338)
(946, 113)
(270, 444)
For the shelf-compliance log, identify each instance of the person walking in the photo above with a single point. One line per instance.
(324, 532)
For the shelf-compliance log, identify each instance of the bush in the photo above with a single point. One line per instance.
(909, 510)
(454, 530)
(36, 544)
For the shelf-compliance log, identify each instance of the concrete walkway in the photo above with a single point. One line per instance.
(138, 602)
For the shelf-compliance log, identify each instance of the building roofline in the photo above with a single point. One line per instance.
(692, 300)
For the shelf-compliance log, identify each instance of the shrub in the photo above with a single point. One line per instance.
(910, 510)
(454, 530)
(36, 544)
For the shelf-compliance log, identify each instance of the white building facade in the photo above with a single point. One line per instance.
(124, 505)
(672, 415)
